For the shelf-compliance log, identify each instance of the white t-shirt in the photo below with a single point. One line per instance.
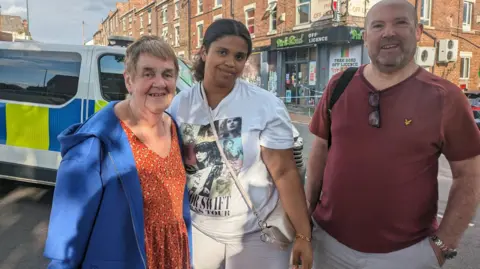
(249, 117)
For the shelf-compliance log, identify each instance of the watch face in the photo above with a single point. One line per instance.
(450, 254)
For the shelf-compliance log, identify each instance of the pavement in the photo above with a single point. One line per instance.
(25, 209)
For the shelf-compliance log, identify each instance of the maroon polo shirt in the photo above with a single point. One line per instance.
(380, 186)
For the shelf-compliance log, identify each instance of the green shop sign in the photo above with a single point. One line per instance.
(289, 41)
(356, 34)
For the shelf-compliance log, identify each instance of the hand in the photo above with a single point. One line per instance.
(438, 253)
(302, 253)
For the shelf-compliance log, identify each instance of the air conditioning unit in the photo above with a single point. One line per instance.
(425, 56)
(447, 50)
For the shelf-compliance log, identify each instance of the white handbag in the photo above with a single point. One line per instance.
(276, 228)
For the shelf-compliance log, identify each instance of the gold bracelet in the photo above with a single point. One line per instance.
(303, 237)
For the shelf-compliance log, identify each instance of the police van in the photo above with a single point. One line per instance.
(44, 88)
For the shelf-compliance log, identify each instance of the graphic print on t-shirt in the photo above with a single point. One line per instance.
(209, 181)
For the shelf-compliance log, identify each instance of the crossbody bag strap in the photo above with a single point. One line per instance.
(249, 203)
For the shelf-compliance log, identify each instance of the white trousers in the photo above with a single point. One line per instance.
(251, 253)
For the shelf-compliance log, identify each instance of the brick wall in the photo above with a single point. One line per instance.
(447, 17)
(446, 24)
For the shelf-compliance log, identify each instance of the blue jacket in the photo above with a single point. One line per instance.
(96, 220)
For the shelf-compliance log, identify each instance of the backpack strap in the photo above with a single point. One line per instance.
(342, 84)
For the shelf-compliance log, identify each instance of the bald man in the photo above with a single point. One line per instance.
(380, 189)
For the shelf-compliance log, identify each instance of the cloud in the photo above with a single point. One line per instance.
(60, 21)
(15, 10)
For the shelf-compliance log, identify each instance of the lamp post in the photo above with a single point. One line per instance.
(28, 22)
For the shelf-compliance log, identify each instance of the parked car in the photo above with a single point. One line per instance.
(474, 98)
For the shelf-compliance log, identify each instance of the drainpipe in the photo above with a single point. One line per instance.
(231, 9)
(189, 29)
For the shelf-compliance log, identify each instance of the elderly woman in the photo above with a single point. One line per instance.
(120, 201)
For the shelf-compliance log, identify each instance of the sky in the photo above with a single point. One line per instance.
(60, 21)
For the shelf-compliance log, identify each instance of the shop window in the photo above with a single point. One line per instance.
(313, 54)
(291, 55)
(302, 54)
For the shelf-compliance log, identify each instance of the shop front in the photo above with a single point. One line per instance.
(307, 60)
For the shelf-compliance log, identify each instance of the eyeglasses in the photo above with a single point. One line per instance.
(374, 116)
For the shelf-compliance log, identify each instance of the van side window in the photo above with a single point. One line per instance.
(112, 83)
(42, 77)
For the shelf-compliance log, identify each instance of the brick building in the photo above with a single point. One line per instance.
(300, 44)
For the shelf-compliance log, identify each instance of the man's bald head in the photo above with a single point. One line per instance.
(410, 9)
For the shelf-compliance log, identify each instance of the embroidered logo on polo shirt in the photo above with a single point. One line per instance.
(408, 122)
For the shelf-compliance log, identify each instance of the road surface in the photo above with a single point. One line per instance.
(24, 213)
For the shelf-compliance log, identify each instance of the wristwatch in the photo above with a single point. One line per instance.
(448, 253)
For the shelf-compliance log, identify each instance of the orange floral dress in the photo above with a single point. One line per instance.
(163, 182)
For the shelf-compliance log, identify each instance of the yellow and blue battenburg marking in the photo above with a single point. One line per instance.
(36, 127)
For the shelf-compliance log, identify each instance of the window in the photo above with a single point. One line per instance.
(217, 17)
(112, 84)
(467, 15)
(465, 64)
(250, 18)
(164, 15)
(218, 3)
(41, 77)
(273, 20)
(124, 24)
(303, 11)
(149, 16)
(177, 9)
(141, 21)
(199, 34)
(165, 33)
(130, 21)
(426, 12)
(185, 72)
(177, 35)
(199, 6)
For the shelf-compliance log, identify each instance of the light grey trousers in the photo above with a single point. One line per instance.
(251, 253)
(331, 254)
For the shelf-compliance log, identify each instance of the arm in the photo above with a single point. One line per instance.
(461, 146)
(281, 165)
(315, 169)
(463, 200)
(276, 142)
(76, 200)
(319, 126)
